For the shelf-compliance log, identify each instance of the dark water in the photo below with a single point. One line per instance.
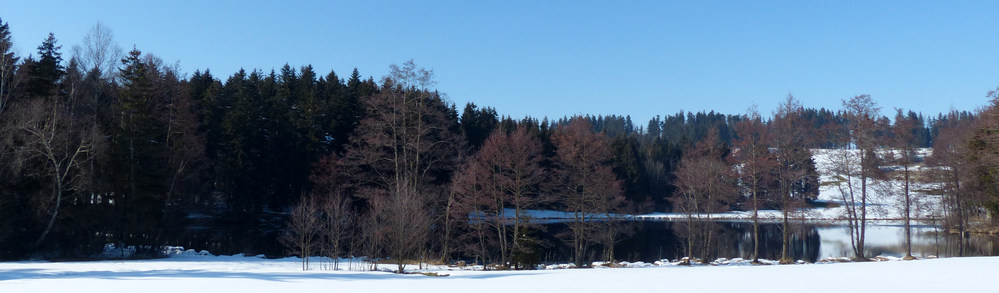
(650, 241)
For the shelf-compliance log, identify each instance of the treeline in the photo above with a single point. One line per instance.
(123, 149)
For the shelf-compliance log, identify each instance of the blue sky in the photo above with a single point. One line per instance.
(558, 58)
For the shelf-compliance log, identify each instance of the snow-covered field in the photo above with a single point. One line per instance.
(196, 273)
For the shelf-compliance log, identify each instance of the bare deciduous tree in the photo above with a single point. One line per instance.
(402, 153)
(99, 53)
(337, 222)
(468, 215)
(335, 208)
(587, 183)
(904, 154)
(755, 164)
(859, 165)
(505, 174)
(792, 158)
(302, 230)
(403, 224)
(706, 183)
(44, 137)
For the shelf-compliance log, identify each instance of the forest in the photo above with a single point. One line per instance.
(103, 147)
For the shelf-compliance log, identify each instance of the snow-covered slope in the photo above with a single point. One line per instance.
(251, 275)
(885, 199)
(884, 202)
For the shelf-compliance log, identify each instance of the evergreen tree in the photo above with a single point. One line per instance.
(8, 66)
(627, 160)
(45, 73)
(477, 124)
(332, 92)
(139, 154)
(346, 106)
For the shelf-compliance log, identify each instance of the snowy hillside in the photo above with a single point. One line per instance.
(885, 199)
(884, 203)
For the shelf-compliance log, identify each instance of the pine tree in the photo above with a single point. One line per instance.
(44, 73)
(477, 124)
(345, 106)
(139, 153)
(8, 66)
(628, 166)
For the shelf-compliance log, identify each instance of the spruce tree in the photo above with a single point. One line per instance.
(139, 153)
(45, 73)
(8, 65)
(477, 124)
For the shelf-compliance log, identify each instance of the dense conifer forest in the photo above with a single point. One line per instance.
(100, 146)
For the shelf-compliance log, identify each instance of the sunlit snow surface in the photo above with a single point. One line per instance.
(199, 273)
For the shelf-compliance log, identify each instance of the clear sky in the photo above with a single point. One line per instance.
(558, 58)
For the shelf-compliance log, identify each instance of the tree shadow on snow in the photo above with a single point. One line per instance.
(44, 274)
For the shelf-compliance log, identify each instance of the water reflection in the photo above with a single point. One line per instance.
(655, 240)
(888, 240)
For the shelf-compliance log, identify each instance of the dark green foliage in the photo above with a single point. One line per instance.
(137, 165)
(8, 66)
(983, 148)
(477, 124)
(44, 73)
(529, 250)
(613, 125)
(948, 122)
(263, 133)
(629, 167)
(693, 127)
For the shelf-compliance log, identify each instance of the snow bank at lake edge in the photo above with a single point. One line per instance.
(193, 273)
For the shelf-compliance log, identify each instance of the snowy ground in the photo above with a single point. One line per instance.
(193, 273)
(885, 199)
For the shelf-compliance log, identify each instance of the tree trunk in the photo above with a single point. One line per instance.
(690, 238)
(609, 241)
(514, 247)
(863, 213)
(785, 256)
(756, 227)
(908, 228)
(447, 227)
(55, 213)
